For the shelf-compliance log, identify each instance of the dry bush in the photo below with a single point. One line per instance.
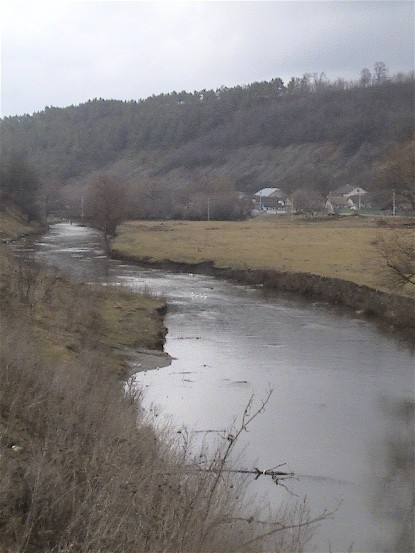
(398, 254)
(25, 286)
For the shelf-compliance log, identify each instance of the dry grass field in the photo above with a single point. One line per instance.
(345, 248)
(66, 317)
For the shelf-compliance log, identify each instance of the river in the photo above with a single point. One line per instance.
(330, 372)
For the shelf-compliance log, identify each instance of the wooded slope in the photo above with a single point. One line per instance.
(313, 136)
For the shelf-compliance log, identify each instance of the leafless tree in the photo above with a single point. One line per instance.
(106, 206)
(380, 72)
(50, 197)
(365, 77)
(308, 200)
(398, 252)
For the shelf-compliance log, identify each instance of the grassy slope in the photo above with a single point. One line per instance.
(13, 225)
(77, 317)
(343, 248)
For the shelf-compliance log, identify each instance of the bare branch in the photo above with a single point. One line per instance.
(218, 466)
(279, 527)
(398, 253)
(275, 475)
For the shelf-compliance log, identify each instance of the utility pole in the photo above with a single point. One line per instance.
(393, 203)
(208, 209)
(82, 208)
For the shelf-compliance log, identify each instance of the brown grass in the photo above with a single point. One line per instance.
(13, 225)
(344, 248)
(69, 316)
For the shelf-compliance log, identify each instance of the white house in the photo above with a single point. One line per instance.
(270, 198)
(348, 196)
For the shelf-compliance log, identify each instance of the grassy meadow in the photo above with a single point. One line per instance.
(344, 248)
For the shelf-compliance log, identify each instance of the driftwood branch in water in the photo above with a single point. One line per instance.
(276, 475)
(219, 468)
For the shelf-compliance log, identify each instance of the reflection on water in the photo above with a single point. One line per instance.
(394, 489)
(328, 371)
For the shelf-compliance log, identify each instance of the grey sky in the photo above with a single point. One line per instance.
(63, 53)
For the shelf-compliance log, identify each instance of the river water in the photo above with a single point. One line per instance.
(330, 373)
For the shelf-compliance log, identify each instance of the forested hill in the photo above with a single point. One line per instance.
(308, 133)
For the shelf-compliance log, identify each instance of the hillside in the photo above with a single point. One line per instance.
(306, 135)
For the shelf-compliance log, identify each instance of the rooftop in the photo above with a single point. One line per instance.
(265, 192)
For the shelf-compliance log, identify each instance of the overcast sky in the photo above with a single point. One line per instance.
(62, 53)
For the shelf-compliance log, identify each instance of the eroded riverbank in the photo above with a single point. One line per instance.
(394, 311)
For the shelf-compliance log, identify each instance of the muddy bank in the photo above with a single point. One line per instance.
(396, 312)
(141, 360)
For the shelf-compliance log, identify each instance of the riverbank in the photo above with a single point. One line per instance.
(13, 226)
(336, 261)
(69, 316)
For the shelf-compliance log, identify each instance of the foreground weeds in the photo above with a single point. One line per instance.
(81, 469)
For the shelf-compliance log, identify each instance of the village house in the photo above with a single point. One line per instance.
(268, 199)
(348, 196)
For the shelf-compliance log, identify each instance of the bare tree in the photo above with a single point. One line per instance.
(399, 254)
(320, 81)
(308, 200)
(380, 72)
(365, 77)
(19, 184)
(106, 206)
(50, 197)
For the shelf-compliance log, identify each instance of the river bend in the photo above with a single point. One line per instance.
(331, 374)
